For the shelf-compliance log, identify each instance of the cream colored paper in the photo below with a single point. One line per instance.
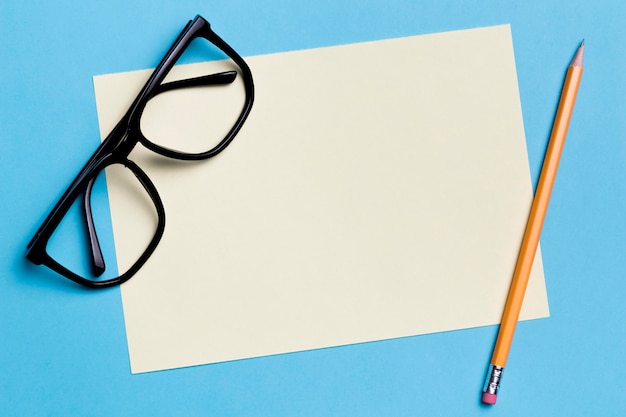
(378, 190)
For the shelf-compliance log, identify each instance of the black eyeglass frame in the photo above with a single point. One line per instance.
(117, 146)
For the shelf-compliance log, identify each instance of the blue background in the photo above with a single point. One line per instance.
(63, 349)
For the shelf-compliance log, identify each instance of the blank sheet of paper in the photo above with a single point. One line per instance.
(378, 190)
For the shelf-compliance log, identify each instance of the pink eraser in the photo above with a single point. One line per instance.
(489, 398)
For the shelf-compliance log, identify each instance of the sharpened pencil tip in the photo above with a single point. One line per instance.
(578, 58)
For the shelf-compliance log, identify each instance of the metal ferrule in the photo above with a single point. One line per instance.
(494, 376)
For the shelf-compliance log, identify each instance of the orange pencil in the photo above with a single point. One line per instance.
(533, 228)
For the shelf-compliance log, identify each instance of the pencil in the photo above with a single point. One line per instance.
(530, 241)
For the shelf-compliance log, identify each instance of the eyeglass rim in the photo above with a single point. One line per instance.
(198, 27)
(42, 256)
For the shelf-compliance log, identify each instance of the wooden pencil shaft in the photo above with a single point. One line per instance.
(537, 215)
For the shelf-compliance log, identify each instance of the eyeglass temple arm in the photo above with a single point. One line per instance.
(97, 260)
(220, 78)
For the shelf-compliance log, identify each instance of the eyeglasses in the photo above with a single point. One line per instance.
(114, 153)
